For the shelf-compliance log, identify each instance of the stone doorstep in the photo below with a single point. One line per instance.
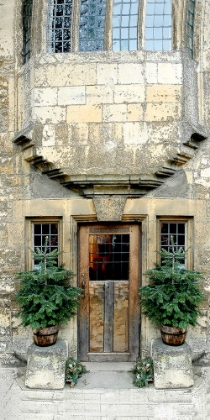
(95, 403)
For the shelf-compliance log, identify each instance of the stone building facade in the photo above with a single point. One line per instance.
(104, 128)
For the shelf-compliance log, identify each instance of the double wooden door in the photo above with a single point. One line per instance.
(109, 259)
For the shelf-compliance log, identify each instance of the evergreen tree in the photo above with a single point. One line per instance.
(173, 296)
(45, 296)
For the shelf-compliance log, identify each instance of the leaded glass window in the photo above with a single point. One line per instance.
(190, 25)
(97, 25)
(27, 18)
(91, 25)
(61, 26)
(173, 234)
(109, 257)
(125, 24)
(158, 28)
(45, 235)
(175, 230)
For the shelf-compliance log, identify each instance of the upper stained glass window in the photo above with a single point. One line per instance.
(190, 25)
(158, 28)
(27, 17)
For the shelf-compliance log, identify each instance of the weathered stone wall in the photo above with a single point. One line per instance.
(110, 111)
(94, 114)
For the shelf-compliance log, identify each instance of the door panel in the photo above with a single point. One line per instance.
(109, 276)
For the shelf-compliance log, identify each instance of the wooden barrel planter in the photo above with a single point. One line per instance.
(44, 337)
(173, 336)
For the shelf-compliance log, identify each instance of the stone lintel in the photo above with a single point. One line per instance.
(46, 366)
(172, 365)
(109, 208)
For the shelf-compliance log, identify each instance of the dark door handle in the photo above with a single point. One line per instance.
(83, 288)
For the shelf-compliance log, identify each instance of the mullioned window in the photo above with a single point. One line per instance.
(117, 25)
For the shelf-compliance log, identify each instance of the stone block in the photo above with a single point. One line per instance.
(107, 74)
(162, 111)
(170, 73)
(135, 112)
(99, 94)
(46, 366)
(84, 113)
(151, 72)
(130, 73)
(45, 96)
(112, 113)
(135, 133)
(71, 95)
(129, 93)
(163, 93)
(172, 365)
(49, 114)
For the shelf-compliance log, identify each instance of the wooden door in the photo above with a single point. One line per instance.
(109, 258)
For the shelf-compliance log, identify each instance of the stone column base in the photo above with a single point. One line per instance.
(172, 365)
(46, 366)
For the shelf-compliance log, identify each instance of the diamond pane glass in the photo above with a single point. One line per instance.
(158, 28)
(92, 25)
(61, 26)
(125, 25)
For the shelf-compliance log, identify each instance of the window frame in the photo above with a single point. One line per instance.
(188, 221)
(30, 222)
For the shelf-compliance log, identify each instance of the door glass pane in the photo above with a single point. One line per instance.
(109, 257)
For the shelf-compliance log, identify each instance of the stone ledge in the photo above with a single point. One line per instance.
(46, 366)
(172, 365)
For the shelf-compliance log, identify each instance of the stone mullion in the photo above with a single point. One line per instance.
(141, 23)
(179, 24)
(75, 26)
(108, 26)
(50, 6)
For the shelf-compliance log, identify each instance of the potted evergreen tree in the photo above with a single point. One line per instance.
(172, 298)
(45, 296)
